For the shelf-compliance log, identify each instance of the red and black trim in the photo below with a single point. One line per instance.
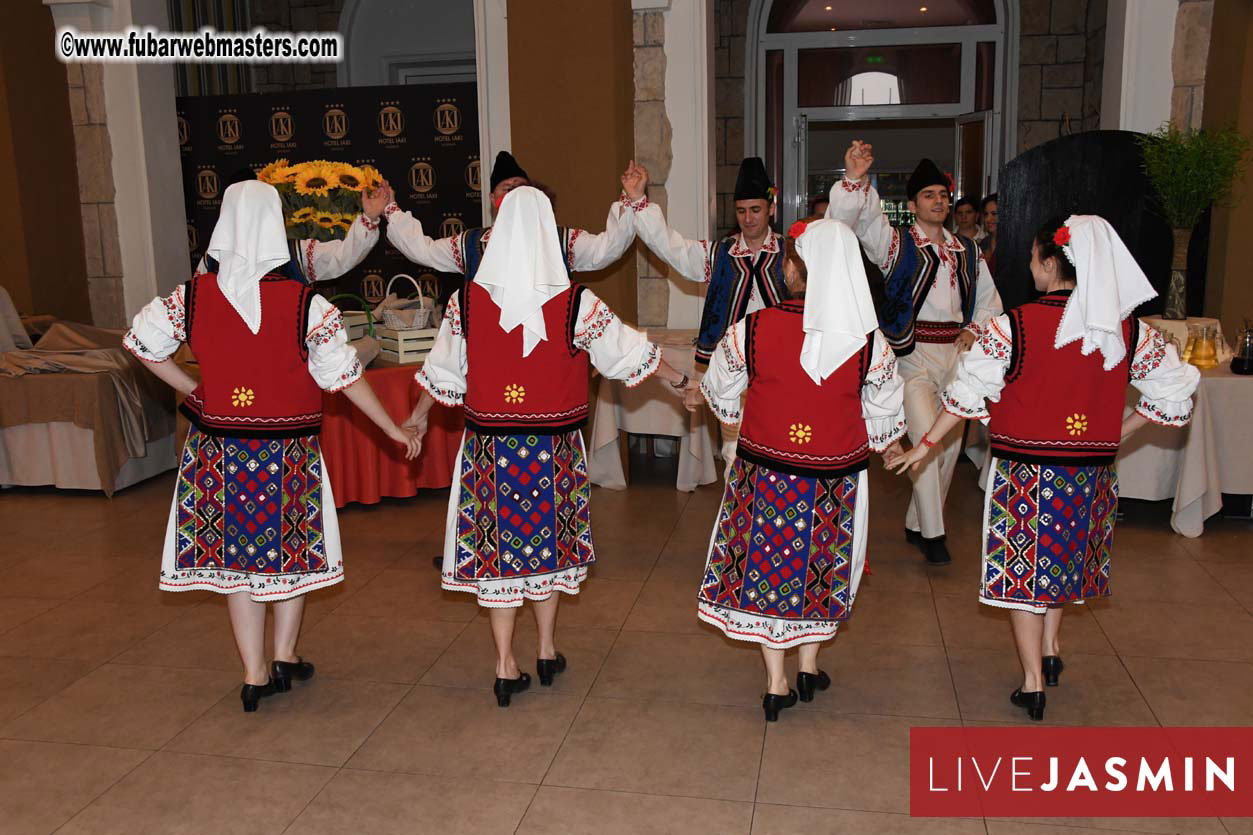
(296, 426)
(775, 460)
(516, 424)
(937, 333)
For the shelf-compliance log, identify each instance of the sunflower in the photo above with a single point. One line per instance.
(312, 178)
(327, 220)
(270, 173)
(348, 176)
(302, 215)
(371, 178)
(344, 223)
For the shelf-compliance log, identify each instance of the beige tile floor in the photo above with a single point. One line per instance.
(119, 709)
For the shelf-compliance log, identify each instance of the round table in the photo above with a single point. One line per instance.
(364, 464)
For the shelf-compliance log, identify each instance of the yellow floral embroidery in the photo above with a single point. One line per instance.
(1077, 424)
(514, 393)
(242, 397)
(800, 433)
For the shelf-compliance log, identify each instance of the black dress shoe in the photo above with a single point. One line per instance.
(282, 673)
(438, 562)
(772, 704)
(250, 694)
(549, 667)
(1052, 667)
(807, 683)
(1033, 703)
(914, 538)
(506, 687)
(936, 551)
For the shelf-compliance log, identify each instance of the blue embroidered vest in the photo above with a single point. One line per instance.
(730, 287)
(910, 280)
(473, 245)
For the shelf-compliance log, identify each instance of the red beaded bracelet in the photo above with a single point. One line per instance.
(925, 441)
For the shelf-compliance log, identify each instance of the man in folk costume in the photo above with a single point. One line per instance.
(1050, 380)
(253, 516)
(311, 261)
(514, 350)
(820, 391)
(581, 251)
(938, 293)
(744, 271)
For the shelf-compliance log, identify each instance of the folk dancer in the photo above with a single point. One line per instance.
(789, 545)
(513, 349)
(253, 516)
(938, 293)
(1050, 380)
(581, 251)
(744, 270)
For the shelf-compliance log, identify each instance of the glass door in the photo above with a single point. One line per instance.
(974, 174)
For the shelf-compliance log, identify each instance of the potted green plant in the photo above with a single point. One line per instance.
(1191, 170)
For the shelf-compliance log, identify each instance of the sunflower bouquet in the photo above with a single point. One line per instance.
(320, 198)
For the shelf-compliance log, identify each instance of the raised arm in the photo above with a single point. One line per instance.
(855, 202)
(593, 251)
(692, 259)
(404, 231)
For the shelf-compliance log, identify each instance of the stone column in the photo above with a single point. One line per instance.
(1188, 58)
(129, 173)
(653, 151)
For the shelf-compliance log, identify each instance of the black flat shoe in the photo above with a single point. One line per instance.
(772, 704)
(549, 667)
(250, 694)
(1032, 702)
(807, 683)
(914, 538)
(506, 687)
(1052, 667)
(936, 551)
(282, 673)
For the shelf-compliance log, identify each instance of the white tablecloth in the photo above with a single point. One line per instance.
(651, 409)
(1197, 464)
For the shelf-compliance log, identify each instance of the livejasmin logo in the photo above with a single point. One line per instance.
(1078, 775)
(1080, 772)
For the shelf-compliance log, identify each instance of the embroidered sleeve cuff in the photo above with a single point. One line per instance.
(884, 432)
(1165, 412)
(445, 397)
(634, 205)
(352, 375)
(131, 343)
(853, 185)
(371, 225)
(963, 409)
(723, 411)
(647, 368)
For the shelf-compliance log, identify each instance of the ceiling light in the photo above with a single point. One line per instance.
(832, 28)
(922, 8)
(828, 8)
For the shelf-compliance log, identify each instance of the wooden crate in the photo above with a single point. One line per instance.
(406, 347)
(356, 323)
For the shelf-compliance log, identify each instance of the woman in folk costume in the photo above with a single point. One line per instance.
(822, 391)
(513, 349)
(1050, 380)
(253, 516)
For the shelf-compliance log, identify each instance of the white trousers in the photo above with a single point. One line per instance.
(926, 371)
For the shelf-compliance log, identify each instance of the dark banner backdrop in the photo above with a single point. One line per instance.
(424, 139)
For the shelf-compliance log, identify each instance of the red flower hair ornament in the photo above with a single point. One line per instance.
(1062, 239)
(796, 229)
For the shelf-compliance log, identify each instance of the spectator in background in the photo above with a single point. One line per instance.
(987, 218)
(966, 219)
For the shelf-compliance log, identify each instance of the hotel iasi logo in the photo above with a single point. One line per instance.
(422, 179)
(184, 133)
(229, 131)
(452, 225)
(282, 129)
(447, 119)
(207, 184)
(391, 124)
(335, 126)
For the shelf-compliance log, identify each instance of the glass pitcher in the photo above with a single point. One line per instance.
(1205, 352)
(1242, 362)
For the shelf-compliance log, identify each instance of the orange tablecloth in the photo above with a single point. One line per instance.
(364, 465)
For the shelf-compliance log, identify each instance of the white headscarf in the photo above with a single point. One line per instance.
(1109, 285)
(522, 267)
(839, 310)
(248, 241)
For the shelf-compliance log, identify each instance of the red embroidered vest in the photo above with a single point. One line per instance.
(508, 394)
(790, 422)
(1058, 406)
(252, 385)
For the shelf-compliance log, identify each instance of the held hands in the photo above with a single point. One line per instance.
(417, 423)
(374, 202)
(858, 159)
(964, 341)
(692, 398)
(408, 438)
(634, 181)
(897, 460)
